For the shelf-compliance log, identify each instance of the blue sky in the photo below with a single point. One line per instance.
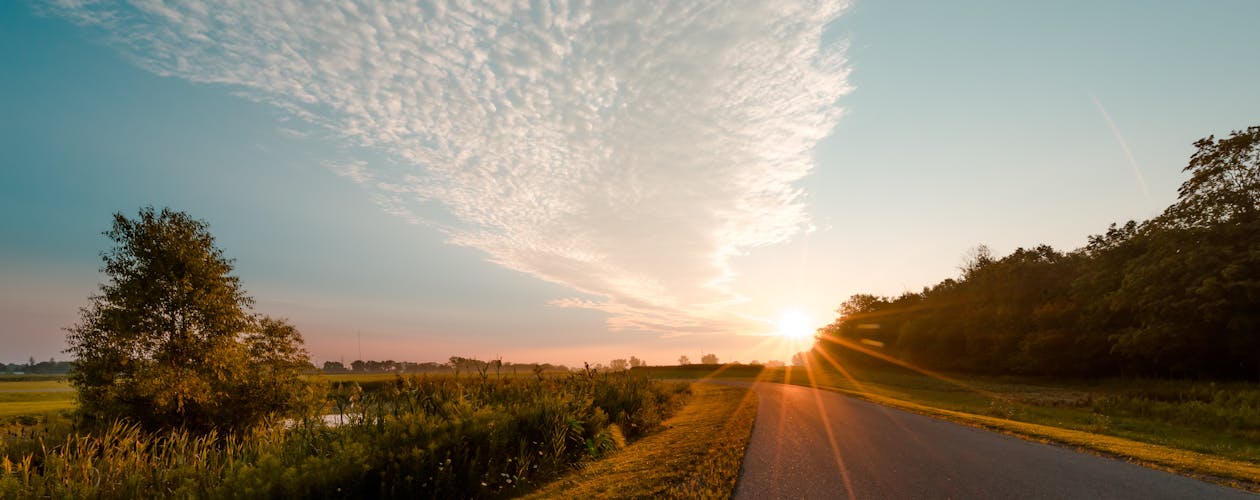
(577, 184)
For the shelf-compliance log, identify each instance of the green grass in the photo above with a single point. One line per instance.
(1197, 428)
(32, 377)
(27, 384)
(698, 455)
(30, 397)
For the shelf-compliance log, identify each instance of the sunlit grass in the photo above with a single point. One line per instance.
(54, 403)
(697, 456)
(28, 397)
(33, 384)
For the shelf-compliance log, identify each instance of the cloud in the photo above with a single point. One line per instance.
(1124, 146)
(625, 149)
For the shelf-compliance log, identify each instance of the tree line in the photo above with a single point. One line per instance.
(1174, 296)
(391, 366)
(50, 367)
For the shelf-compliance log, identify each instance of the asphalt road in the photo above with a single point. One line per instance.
(863, 450)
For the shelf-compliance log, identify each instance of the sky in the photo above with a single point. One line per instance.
(578, 182)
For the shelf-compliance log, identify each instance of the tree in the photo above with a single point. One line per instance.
(1224, 182)
(976, 259)
(170, 340)
(618, 364)
(334, 367)
(684, 360)
(709, 359)
(636, 362)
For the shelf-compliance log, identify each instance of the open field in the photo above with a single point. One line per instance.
(1204, 428)
(33, 396)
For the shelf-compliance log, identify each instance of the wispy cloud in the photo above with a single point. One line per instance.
(625, 149)
(1124, 146)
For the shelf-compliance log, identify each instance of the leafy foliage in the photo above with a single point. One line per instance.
(1224, 182)
(169, 341)
(1178, 295)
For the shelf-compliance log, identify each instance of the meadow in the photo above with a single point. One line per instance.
(479, 436)
(30, 397)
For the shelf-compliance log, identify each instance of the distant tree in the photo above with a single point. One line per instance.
(709, 359)
(976, 259)
(460, 364)
(774, 363)
(618, 364)
(169, 341)
(636, 362)
(684, 360)
(334, 367)
(800, 359)
(52, 366)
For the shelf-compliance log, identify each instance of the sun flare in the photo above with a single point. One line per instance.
(795, 325)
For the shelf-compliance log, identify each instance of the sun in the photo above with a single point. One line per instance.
(795, 325)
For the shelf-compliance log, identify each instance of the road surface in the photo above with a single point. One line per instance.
(863, 450)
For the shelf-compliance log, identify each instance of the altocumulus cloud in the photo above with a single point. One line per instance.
(626, 149)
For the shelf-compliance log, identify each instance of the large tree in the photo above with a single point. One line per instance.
(170, 340)
(1224, 183)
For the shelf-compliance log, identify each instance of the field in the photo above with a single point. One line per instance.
(402, 436)
(30, 397)
(1205, 428)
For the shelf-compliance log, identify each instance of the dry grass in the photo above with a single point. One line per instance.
(698, 455)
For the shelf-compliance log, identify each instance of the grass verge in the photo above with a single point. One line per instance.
(698, 455)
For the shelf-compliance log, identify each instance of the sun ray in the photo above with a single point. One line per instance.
(831, 435)
(910, 366)
(831, 360)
